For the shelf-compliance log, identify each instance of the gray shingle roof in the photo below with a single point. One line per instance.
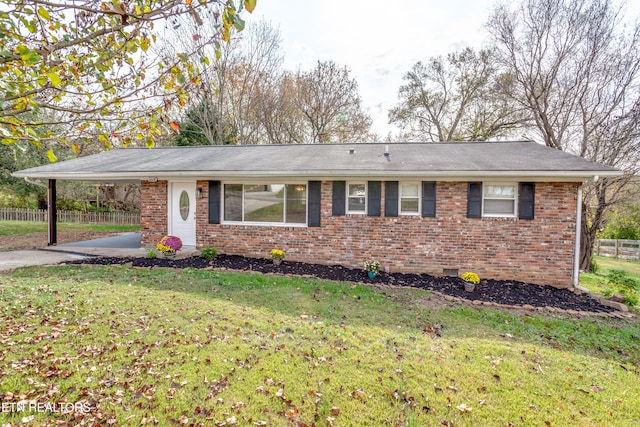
(517, 159)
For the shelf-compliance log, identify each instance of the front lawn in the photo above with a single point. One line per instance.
(205, 347)
(14, 228)
(599, 281)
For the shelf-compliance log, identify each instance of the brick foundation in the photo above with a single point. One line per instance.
(538, 251)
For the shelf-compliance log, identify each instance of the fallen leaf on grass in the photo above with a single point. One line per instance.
(463, 408)
(359, 393)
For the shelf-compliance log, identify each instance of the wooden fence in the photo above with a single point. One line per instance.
(618, 248)
(38, 215)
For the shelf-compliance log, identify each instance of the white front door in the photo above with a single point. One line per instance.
(182, 211)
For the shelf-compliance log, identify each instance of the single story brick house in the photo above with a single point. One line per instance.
(505, 210)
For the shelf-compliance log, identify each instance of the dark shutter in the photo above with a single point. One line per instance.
(526, 200)
(429, 199)
(313, 212)
(339, 197)
(374, 190)
(474, 200)
(391, 198)
(214, 202)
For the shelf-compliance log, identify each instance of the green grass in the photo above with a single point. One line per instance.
(597, 282)
(211, 347)
(13, 228)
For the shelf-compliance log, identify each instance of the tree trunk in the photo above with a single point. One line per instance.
(587, 239)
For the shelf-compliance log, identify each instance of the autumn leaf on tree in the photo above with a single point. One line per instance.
(64, 80)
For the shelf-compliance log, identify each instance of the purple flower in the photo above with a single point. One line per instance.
(173, 242)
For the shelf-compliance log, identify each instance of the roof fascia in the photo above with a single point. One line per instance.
(329, 175)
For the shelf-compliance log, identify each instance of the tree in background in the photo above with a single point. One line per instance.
(202, 125)
(245, 97)
(89, 67)
(460, 97)
(576, 72)
(329, 102)
(225, 100)
(623, 222)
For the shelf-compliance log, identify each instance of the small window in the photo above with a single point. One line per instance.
(409, 199)
(357, 198)
(499, 200)
(184, 205)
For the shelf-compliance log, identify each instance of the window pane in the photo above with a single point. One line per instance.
(233, 202)
(264, 203)
(409, 205)
(184, 205)
(356, 190)
(296, 204)
(357, 197)
(499, 207)
(357, 204)
(409, 190)
(500, 191)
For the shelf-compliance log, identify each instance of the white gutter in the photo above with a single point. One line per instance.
(558, 176)
(38, 183)
(576, 260)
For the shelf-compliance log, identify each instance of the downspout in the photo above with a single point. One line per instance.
(576, 254)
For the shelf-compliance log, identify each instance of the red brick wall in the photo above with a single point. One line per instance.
(154, 213)
(538, 251)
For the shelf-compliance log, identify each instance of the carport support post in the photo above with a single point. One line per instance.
(52, 215)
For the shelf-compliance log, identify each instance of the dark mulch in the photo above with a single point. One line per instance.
(497, 291)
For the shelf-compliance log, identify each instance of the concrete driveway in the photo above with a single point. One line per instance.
(123, 245)
(17, 259)
(122, 241)
(126, 244)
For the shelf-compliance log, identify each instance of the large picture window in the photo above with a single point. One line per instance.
(265, 203)
(499, 200)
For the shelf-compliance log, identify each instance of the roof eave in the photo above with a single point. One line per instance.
(325, 174)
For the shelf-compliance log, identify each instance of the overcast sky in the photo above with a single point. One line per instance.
(379, 40)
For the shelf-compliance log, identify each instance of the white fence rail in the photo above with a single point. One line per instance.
(38, 215)
(618, 248)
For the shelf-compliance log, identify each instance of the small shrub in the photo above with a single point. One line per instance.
(209, 253)
(277, 254)
(151, 254)
(631, 300)
(620, 279)
(628, 286)
(593, 266)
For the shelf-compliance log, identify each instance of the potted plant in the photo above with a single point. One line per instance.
(471, 279)
(169, 245)
(277, 256)
(372, 267)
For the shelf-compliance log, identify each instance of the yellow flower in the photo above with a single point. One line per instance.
(277, 254)
(470, 277)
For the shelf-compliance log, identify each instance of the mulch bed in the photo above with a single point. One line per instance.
(503, 292)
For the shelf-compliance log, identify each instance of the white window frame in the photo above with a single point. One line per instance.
(419, 197)
(514, 214)
(265, 224)
(366, 198)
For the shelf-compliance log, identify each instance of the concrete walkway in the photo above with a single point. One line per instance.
(123, 245)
